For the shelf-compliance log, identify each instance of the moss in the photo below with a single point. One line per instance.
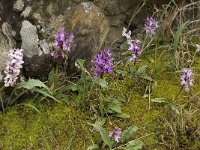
(138, 109)
(169, 89)
(59, 126)
(54, 128)
(152, 122)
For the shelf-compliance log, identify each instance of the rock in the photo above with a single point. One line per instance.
(9, 33)
(161, 2)
(114, 34)
(26, 12)
(18, 5)
(38, 67)
(44, 46)
(30, 39)
(90, 27)
(6, 43)
(1, 77)
(115, 7)
(8, 15)
(118, 20)
(96, 25)
(4, 53)
(111, 7)
(37, 17)
(85, 20)
(115, 39)
(127, 5)
(37, 62)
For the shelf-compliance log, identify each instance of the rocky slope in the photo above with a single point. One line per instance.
(96, 24)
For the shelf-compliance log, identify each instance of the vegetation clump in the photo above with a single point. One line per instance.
(140, 102)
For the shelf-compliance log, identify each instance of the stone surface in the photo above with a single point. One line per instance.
(85, 20)
(7, 42)
(96, 24)
(38, 67)
(118, 20)
(18, 5)
(30, 39)
(26, 12)
(9, 33)
(90, 27)
(44, 46)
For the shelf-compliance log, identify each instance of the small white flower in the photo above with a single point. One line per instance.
(198, 47)
(127, 35)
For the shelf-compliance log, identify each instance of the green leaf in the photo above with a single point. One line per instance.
(121, 98)
(72, 87)
(101, 121)
(145, 96)
(51, 77)
(37, 86)
(126, 134)
(174, 108)
(101, 82)
(29, 105)
(146, 77)
(134, 145)
(128, 52)
(116, 108)
(150, 59)
(94, 146)
(122, 115)
(158, 100)
(178, 35)
(158, 47)
(45, 93)
(132, 69)
(141, 70)
(80, 64)
(124, 46)
(61, 96)
(32, 83)
(121, 72)
(104, 134)
(154, 85)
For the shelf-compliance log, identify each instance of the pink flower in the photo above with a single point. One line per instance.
(116, 133)
(103, 63)
(135, 48)
(13, 66)
(150, 26)
(63, 42)
(186, 79)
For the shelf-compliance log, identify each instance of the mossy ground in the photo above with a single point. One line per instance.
(65, 126)
(56, 127)
(61, 126)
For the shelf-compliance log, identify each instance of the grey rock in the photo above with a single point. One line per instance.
(115, 7)
(118, 20)
(18, 5)
(114, 35)
(30, 39)
(9, 33)
(37, 17)
(6, 43)
(26, 12)
(90, 27)
(38, 66)
(4, 56)
(1, 77)
(44, 46)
